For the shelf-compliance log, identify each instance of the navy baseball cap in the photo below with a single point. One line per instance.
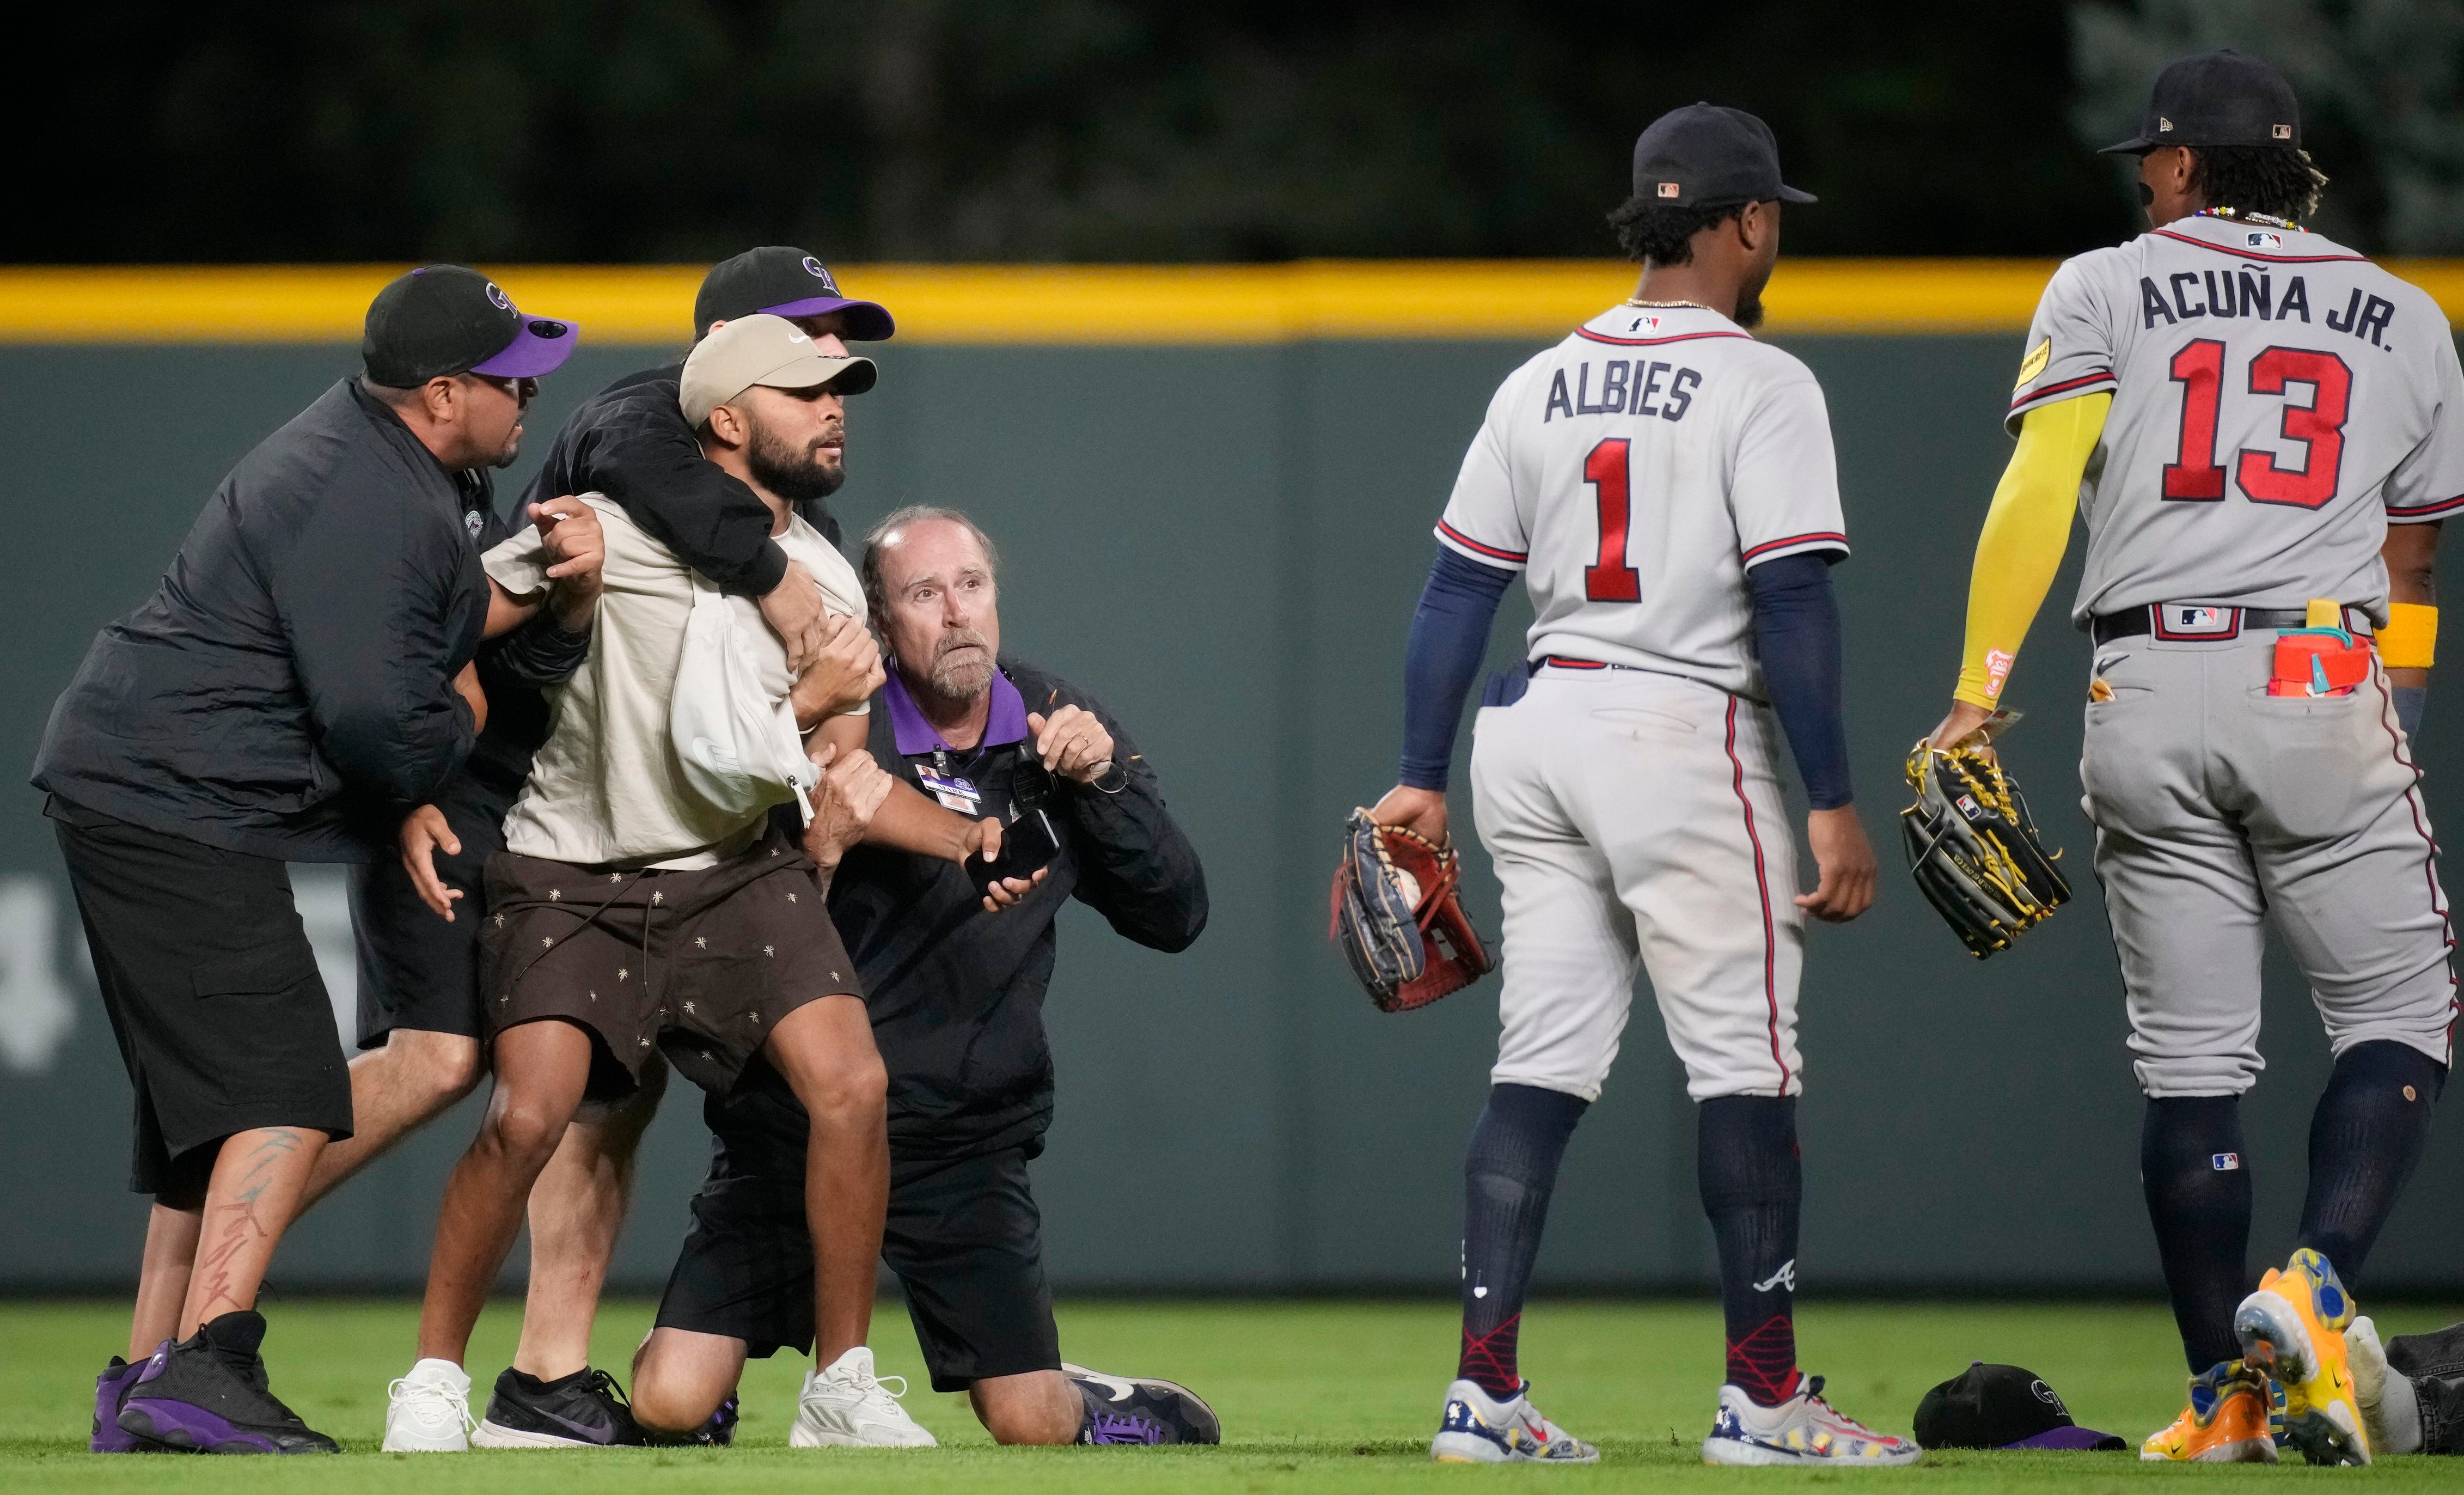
(2002, 1406)
(2220, 97)
(785, 282)
(446, 319)
(1708, 156)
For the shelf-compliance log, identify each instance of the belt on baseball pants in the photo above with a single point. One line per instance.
(2206, 623)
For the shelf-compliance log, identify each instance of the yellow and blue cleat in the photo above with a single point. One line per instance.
(2226, 1422)
(2292, 1329)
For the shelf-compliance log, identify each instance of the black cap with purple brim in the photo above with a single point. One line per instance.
(446, 319)
(1709, 156)
(2220, 97)
(788, 282)
(2002, 1406)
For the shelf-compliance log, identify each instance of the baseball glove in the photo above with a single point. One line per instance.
(1397, 917)
(1973, 850)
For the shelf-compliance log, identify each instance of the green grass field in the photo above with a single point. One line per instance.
(1314, 1397)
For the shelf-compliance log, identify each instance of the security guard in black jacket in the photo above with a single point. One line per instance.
(286, 695)
(957, 997)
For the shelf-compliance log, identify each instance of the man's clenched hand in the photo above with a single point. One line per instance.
(852, 790)
(793, 610)
(844, 673)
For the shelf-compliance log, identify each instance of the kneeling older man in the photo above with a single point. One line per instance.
(956, 999)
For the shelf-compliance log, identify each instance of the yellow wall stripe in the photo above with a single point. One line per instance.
(1060, 304)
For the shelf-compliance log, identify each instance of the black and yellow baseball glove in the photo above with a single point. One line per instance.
(1973, 848)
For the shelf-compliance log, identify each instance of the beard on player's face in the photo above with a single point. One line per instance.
(794, 470)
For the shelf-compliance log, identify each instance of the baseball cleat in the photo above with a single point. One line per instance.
(429, 1411)
(208, 1395)
(583, 1410)
(843, 1405)
(1804, 1430)
(2226, 1422)
(1477, 1428)
(1126, 1409)
(2292, 1329)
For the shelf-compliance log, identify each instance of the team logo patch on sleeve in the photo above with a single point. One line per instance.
(2033, 364)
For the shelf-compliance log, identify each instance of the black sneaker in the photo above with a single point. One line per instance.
(1122, 1409)
(718, 1433)
(208, 1395)
(585, 1410)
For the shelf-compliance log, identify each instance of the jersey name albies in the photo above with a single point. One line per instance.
(2277, 400)
(1634, 472)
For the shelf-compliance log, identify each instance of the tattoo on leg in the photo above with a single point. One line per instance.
(234, 1227)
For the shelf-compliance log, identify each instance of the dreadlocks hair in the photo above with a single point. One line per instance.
(1662, 234)
(2275, 180)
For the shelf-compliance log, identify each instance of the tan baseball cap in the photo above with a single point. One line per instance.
(763, 349)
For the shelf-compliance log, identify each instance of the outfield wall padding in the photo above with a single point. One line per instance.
(1224, 544)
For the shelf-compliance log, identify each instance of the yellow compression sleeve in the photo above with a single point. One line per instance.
(2025, 534)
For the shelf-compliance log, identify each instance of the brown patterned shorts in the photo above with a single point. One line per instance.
(700, 964)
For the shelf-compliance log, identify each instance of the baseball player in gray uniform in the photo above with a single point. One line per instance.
(2247, 415)
(1664, 484)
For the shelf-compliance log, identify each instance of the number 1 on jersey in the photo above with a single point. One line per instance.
(1609, 578)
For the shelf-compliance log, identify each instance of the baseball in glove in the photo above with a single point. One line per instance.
(1972, 847)
(1397, 917)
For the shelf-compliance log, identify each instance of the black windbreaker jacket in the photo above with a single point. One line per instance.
(287, 691)
(956, 994)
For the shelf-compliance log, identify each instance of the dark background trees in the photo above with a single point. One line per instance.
(643, 131)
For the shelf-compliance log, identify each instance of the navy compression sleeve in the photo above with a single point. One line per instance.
(1448, 640)
(1796, 632)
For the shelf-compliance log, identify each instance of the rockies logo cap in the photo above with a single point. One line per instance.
(1709, 156)
(2002, 1406)
(446, 319)
(785, 282)
(2220, 97)
(761, 349)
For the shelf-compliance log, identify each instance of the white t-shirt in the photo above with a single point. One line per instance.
(1633, 472)
(607, 787)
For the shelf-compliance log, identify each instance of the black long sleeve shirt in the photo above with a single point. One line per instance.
(631, 442)
(287, 691)
(956, 994)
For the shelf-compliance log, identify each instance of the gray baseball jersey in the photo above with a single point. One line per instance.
(2277, 400)
(1634, 472)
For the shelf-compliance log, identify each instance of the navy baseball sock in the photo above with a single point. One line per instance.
(2372, 1121)
(1507, 1173)
(2192, 1166)
(1753, 1185)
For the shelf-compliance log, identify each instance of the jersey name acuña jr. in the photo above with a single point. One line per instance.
(2276, 400)
(1634, 472)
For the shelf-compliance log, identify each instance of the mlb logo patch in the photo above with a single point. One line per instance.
(1643, 324)
(2257, 240)
(2282, 132)
(2226, 1162)
(1668, 190)
(1968, 806)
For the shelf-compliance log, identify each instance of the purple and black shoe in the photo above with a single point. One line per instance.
(208, 1395)
(110, 1392)
(1140, 1409)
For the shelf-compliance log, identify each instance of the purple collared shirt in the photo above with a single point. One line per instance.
(916, 735)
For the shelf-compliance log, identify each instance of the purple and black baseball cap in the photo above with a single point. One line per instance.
(446, 319)
(2002, 1406)
(784, 281)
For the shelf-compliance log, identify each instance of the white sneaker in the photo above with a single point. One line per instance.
(429, 1411)
(2391, 1408)
(843, 1405)
(1476, 1428)
(1803, 1430)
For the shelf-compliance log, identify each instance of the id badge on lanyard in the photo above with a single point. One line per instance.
(952, 791)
